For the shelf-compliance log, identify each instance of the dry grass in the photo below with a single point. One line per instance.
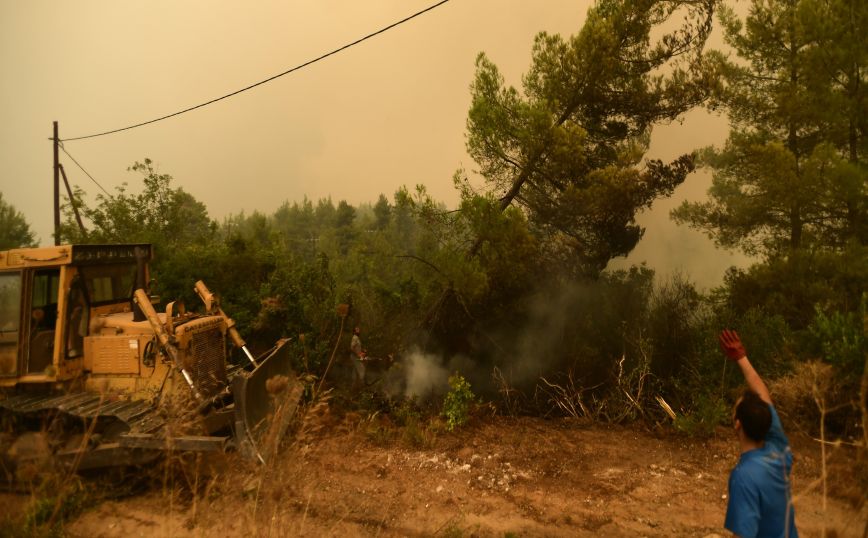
(56, 491)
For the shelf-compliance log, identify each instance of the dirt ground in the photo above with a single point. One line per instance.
(351, 476)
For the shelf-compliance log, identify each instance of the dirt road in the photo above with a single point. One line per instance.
(497, 477)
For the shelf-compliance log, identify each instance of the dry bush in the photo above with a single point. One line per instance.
(794, 394)
(624, 399)
(312, 419)
(568, 397)
(806, 397)
(511, 398)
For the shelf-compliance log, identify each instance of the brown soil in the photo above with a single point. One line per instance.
(497, 477)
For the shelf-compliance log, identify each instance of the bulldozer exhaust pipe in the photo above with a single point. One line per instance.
(141, 280)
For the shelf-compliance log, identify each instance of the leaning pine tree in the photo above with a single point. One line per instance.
(568, 149)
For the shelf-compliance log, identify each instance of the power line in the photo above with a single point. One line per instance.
(269, 79)
(83, 170)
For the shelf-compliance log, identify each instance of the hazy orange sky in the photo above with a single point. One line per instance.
(386, 113)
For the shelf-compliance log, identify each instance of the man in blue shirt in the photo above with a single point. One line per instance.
(760, 500)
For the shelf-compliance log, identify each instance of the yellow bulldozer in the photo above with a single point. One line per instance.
(91, 374)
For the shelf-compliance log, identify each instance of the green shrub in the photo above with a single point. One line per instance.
(456, 404)
(708, 413)
(841, 338)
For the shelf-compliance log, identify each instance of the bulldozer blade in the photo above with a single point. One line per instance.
(263, 408)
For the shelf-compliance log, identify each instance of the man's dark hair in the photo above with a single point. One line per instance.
(754, 415)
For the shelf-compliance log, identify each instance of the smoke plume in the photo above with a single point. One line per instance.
(424, 375)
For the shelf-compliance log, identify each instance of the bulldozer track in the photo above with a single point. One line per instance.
(139, 416)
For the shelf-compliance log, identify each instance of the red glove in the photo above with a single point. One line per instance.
(731, 344)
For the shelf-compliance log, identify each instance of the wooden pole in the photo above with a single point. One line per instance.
(56, 188)
(72, 203)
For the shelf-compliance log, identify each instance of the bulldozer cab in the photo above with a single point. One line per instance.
(47, 298)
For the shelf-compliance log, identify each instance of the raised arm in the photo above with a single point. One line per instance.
(731, 344)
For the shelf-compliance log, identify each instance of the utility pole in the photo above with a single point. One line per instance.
(56, 187)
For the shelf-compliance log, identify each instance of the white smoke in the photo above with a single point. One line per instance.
(424, 375)
(551, 316)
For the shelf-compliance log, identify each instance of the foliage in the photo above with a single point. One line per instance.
(456, 403)
(635, 339)
(842, 340)
(708, 413)
(171, 219)
(158, 214)
(766, 200)
(567, 148)
(792, 174)
(15, 232)
(791, 286)
(789, 185)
